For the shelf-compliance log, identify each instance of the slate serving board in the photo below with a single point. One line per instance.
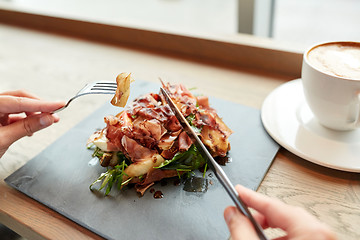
(59, 177)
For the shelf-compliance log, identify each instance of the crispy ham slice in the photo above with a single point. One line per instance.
(168, 140)
(136, 151)
(185, 141)
(203, 102)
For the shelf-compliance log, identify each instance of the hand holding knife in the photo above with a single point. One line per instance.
(220, 174)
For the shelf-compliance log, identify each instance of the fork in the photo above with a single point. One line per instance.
(100, 87)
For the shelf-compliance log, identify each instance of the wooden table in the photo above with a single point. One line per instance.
(55, 57)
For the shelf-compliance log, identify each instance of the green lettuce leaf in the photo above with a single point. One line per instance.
(185, 161)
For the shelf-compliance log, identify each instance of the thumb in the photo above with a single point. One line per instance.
(26, 127)
(239, 226)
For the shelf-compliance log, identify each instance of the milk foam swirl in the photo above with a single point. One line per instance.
(339, 59)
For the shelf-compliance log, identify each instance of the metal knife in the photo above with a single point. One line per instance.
(218, 171)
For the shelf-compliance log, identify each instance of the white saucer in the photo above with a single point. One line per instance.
(290, 122)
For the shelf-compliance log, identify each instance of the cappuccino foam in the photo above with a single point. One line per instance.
(339, 59)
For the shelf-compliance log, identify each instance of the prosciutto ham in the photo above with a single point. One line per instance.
(148, 134)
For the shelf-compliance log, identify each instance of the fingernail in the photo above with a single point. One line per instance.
(45, 120)
(56, 117)
(229, 214)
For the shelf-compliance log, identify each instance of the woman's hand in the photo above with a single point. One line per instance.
(22, 114)
(295, 221)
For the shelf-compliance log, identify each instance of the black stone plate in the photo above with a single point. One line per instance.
(59, 177)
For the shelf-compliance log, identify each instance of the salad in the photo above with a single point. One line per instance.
(145, 143)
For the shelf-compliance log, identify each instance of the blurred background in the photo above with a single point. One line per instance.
(299, 21)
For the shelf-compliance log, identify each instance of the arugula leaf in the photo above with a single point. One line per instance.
(205, 169)
(98, 152)
(185, 161)
(190, 118)
(113, 176)
(192, 88)
(122, 158)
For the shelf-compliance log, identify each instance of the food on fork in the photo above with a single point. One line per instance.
(145, 142)
(121, 96)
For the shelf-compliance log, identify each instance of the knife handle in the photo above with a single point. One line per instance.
(230, 189)
(224, 180)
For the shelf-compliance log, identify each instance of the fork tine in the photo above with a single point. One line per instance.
(104, 86)
(106, 82)
(109, 84)
(103, 89)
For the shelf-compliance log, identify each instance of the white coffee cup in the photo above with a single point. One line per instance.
(331, 82)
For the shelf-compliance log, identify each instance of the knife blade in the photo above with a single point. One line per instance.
(218, 171)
